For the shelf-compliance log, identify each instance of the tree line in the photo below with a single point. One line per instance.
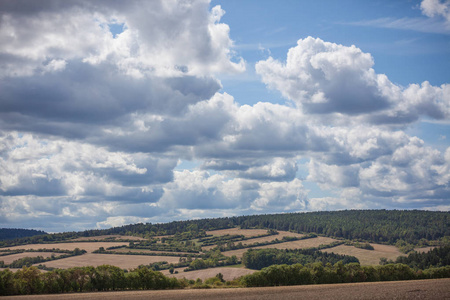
(261, 258)
(15, 233)
(437, 257)
(317, 273)
(82, 279)
(29, 280)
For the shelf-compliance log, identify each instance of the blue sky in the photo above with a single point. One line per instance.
(153, 111)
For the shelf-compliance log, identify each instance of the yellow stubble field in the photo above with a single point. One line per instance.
(368, 257)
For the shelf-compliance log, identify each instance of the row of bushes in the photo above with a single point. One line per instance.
(261, 258)
(82, 279)
(316, 273)
(213, 262)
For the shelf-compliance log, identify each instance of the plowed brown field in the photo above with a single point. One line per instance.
(419, 289)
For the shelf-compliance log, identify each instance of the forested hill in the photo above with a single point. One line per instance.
(380, 226)
(14, 233)
(386, 226)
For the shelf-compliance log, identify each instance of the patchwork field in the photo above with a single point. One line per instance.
(118, 260)
(368, 257)
(251, 233)
(88, 246)
(300, 244)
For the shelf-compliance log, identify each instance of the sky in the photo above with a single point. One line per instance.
(120, 112)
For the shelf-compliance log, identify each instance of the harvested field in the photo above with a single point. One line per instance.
(10, 258)
(301, 244)
(227, 272)
(270, 238)
(104, 237)
(121, 261)
(126, 250)
(250, 233)
(88, 246)
(232, 231)
(368, 257)
(417, 289)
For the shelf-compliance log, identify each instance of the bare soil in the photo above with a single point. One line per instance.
(121, 261)
(418, 289)
(368, 257)
(301, 244)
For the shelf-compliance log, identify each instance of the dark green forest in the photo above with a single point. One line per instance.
(14, 233)
(379, 226)
(262, 258)
(437, 257)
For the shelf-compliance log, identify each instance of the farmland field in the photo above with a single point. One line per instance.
(121, 261)
(248, 233)
(227, 272)
(232, 231)
(109, 237)
(7, 259)
(126, 250)
(368, 257)
(300, 244)
(88, 246)
(417, 289)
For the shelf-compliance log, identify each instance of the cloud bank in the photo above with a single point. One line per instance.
(95, 121)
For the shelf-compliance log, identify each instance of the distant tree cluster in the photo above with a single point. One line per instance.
(15, 233)
(262, 258)
(317, 273)
(437, 257)
(82, 279)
